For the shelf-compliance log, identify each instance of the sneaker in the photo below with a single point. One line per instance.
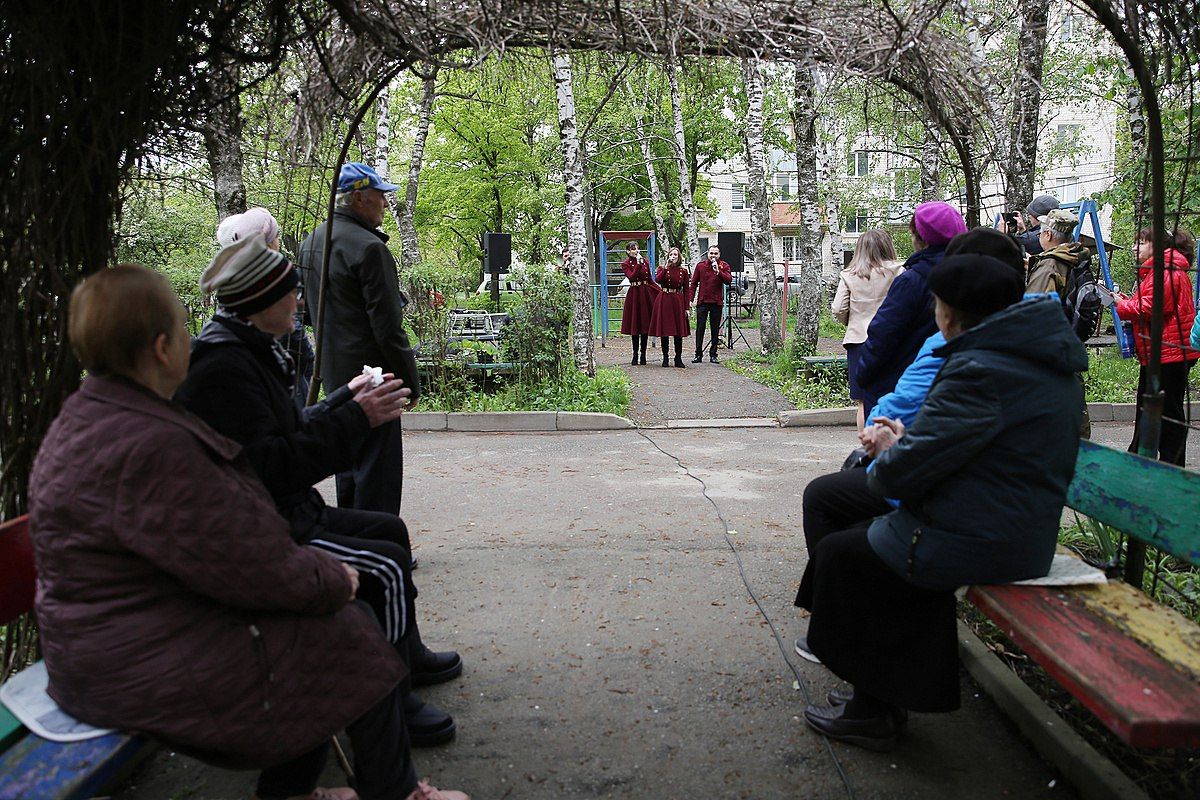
(877, 733)
(697, 359)
(713, 359)
(803, 651)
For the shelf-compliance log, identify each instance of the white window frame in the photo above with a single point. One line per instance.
(1068, 189)
(785, 185)
(790, 248)
(859, 163)
(737, 197)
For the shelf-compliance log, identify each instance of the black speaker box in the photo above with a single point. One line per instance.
(733, 245)
(497, 252)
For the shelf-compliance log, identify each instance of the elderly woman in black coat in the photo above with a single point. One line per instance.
(978, 484)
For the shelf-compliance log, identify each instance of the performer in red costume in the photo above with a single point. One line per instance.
(709, 276)
(639, 300)
(670, 306)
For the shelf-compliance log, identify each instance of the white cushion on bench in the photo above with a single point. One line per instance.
(26, 697)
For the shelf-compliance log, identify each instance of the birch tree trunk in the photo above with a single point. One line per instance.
(221, 128)
(829, 150)
(408, 230)
(770, 332)
(383, 143)
(691, 244)
(931, 165)
(577, 239)
(656, 207)
(804, 121)
(1137, 119)
(1021, 165)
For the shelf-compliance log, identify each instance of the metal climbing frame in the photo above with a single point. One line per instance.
(610, 277)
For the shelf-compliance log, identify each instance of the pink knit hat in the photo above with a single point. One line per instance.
(937, 223)
(236, 227)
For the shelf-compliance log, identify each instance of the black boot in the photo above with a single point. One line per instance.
(635, 354)
(645, 338)
(662, 340)
(679, 362)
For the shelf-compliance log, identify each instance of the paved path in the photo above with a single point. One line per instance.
(700, 391)
(612, 643)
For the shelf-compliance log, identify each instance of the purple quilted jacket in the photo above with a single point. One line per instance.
(171, 598)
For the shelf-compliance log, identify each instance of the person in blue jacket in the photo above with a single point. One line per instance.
(981, 475)
(905, 319)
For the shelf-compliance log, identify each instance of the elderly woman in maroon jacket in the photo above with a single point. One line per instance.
(671, 306)
(639, 301)
(171, 598)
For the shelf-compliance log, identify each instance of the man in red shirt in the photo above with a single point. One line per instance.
(710, 276)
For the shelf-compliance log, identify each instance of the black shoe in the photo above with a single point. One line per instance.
(841, 696)
(666, 360)
(804, 652)
(428, 726)
(634, 362)
(413, 563)
(679, 362)
(877, 733)
(697, 359)
(713, 359)
(431, 667)
(643, 361)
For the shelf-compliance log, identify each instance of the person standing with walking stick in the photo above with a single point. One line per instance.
(709, 277)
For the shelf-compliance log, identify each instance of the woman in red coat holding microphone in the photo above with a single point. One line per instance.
(670, 306)
(639, 300)
(711, 276)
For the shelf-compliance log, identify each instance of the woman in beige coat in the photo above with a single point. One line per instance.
(862, 285)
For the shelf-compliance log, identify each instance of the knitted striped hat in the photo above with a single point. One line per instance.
(247, 276)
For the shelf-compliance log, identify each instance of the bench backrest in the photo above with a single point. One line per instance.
(17, 572)
(1155, 502)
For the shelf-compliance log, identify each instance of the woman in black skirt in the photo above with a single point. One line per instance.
(977, 483)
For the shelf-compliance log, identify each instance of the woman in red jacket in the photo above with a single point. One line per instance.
(639, 300)
(1179, 311)
(670, 306)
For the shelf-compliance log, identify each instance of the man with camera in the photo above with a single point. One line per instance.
(1028, 232)
(710, 277)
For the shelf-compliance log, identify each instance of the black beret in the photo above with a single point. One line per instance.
(976, 284)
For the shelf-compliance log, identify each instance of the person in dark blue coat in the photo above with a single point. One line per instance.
(980, 478)
(905, 320)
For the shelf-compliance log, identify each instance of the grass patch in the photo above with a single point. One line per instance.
(783, 372)
(607, 393)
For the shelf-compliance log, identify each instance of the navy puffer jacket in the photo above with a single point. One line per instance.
(982, 473)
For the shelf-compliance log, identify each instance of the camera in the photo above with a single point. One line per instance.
(1010, 220)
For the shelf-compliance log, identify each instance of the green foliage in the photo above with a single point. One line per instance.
(1110, 378)
(827, 326)
(535, 336)
(784, 372)
(608, 392)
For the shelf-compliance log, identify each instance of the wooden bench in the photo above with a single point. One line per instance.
(1132, 662)
(32, 767)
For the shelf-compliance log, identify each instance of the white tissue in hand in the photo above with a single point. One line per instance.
(373, 374)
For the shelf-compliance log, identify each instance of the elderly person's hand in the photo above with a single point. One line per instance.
(352, 574)
(881, 435)
(382, 403)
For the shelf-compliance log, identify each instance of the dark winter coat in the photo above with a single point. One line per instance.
(901, 325)
(236, 384)
(982, 473)
(171, 599)
(364, 309)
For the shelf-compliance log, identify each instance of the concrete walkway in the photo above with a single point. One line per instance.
(603, 598)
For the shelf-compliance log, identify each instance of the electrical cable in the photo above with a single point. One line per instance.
(783, 648)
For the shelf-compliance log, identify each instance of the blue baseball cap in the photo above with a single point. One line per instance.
(359, 176)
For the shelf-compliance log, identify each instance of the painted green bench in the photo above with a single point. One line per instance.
(1135, 664)
(32, 768)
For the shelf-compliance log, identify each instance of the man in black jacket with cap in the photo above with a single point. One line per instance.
(362, 325)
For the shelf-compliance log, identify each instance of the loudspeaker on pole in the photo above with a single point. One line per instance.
(497, 252)
(733, 245)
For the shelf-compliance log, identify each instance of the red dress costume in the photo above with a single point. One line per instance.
(670, 307)
(639, 300)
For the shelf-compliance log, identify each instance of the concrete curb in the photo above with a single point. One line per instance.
(513, 421)
(1092, 775)
(1112, 412)
(724, 422)
(818, 416)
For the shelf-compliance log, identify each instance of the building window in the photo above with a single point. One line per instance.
(791, 248)
(1068, 135)
(1067, 189)
(784, 182)
(859, 163)
(857, 222)
(739, 197)
(1070, 27)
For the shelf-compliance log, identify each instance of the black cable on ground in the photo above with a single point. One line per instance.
(779, 642)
